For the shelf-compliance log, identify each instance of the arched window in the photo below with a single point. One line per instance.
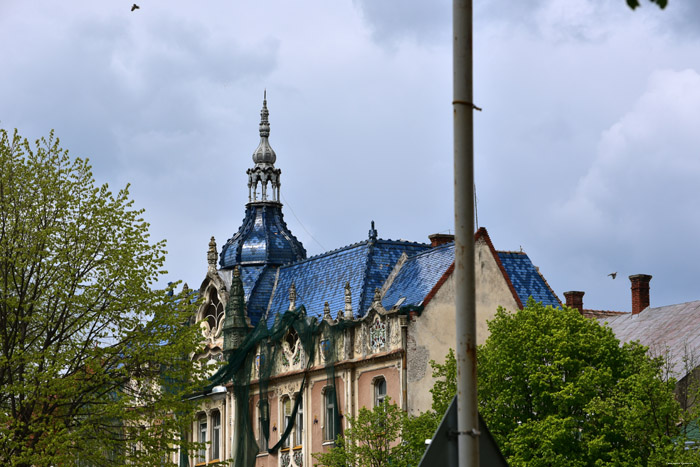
(214, 312)
(379, 391)
(291, 339)
(215, 435)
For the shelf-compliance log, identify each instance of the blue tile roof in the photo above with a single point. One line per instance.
(418, 276)
(263, 238)
(365, 266)
(526, 279)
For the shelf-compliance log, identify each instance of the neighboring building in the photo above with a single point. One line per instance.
(671, 331)
(317, 338)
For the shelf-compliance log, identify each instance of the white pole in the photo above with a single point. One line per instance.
(463, 108)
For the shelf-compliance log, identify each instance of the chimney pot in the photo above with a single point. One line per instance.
(640, 292)
(574, 299)
(440, 239)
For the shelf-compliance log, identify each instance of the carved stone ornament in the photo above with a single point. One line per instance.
(377, 334)
(348, 302)
(211, 254)
(292, 297)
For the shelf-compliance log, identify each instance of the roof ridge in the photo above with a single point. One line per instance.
(353, 245)
(537, 268)
(365, 273)
(325, 253)
(483, 233)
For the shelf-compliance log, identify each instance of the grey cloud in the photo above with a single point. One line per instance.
(394, 20)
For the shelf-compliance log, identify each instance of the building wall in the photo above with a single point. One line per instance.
(432, 334)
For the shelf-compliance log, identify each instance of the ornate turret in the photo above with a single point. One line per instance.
(263, 238)
(264, 158)
(235, 323)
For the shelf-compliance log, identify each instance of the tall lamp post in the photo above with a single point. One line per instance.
(465, 304)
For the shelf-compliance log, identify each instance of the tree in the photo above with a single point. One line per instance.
(372, 439)
(556, 388)
(94, 362)
(635, 3)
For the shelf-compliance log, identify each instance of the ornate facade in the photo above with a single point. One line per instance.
(349, 327)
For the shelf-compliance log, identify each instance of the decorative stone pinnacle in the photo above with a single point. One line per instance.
(372, 233)
(348, 301)
(292, 297)
(185, 288)
(327, 311)
(377, 296)
(211, 254)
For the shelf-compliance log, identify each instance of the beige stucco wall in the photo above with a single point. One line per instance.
(432, 334)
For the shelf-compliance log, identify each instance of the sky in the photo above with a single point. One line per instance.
(587, 151)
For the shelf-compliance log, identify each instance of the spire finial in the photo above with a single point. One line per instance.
(372, 232)
(327, 311)
(264, 123)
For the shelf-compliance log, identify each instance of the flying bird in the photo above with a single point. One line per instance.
(134, 7)
(613, 275)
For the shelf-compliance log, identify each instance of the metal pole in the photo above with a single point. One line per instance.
(465, 304)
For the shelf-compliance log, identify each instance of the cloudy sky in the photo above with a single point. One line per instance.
(587, 151)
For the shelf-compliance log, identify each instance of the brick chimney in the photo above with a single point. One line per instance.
(440, 239)
(640, 292)
(574, 299)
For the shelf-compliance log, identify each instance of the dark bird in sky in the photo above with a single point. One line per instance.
(613, 275)
(134, 7)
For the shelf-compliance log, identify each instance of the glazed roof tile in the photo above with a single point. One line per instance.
(365, 266)
(526, 279)
(418, 276)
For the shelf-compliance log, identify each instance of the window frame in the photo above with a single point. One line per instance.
(262, 441)
(202, 426)
(286, 419)
(329, 403)
(215, 435)
(380, 390)
(299, 423)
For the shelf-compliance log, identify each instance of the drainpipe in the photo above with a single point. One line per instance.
(403, 320)
(465, 305)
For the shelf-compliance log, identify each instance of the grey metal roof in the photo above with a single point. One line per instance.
(671, 331)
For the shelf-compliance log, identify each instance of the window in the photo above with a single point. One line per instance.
(286, 418)
(379, 391)
(203, 439)
(299, 428)
(215, 310)
(329, 433)
(215, 435)
(263, 418)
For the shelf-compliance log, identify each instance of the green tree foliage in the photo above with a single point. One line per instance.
(635, 3)
(385, 435)
(93, 362)
(445, 386)
(556, 388)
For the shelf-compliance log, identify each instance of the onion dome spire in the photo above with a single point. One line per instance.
(263, 238)
(264, 171)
